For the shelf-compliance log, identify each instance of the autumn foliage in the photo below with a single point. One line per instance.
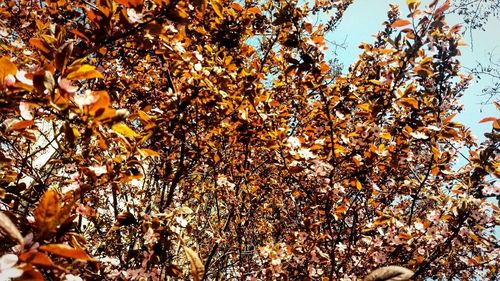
(213, 140)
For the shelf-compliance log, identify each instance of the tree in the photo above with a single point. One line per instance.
(132, 129)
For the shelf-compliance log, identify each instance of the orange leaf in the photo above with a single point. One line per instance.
(6, 68)
(40, 45)
(20, 125)
(253, 10)
(236, 6)
(85, 71)
(488, 119)
(36, 258)
(67, 251)
(130, 3)
(47, 211)
(400, 23)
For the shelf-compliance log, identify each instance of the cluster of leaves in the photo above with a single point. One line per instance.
(134, 128)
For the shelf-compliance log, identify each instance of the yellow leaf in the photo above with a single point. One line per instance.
(408, 102)
(85, 71)
(145, 152)
(217, 6)
(364, 106)
(358, 185)
(124, 130)
(197, 268)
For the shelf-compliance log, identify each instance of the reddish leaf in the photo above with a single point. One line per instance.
(36, 258)
(21, 125)
(488, 119)
(67, 251)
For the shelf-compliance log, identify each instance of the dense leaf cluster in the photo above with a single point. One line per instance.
(166, 139)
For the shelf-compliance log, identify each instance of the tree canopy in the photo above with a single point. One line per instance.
(213, 140)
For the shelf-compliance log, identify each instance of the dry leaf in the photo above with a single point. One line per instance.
(7, 227)
(390, 273)
(47, 212)
(197, 268)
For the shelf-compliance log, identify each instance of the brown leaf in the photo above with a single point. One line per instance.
(67, 251)
(173, 270)
(62, 56)
(7, 227)
(390, 273)
(197, 268)
(47, 212)
(43, 80)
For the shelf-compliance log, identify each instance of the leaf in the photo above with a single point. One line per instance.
(201, 5)
(85, 71)
(411, 102)
(124, 130)
(358, 185)
(442, 9)
(43, 80)
(21, 125)
(488, 119)
(40, 45)
(390, 273)
(6, 68)
(217, 6)
(47, 212)
(173, 270)
(130, 3)
(400, 23)
(66, 251)
(62, 56)
(197, 268)
(364, 106)
(253, 10)
(36, 258)
(412, 4)
(145, 152)
(7, 227)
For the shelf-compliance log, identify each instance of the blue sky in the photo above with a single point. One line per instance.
(364, 18)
